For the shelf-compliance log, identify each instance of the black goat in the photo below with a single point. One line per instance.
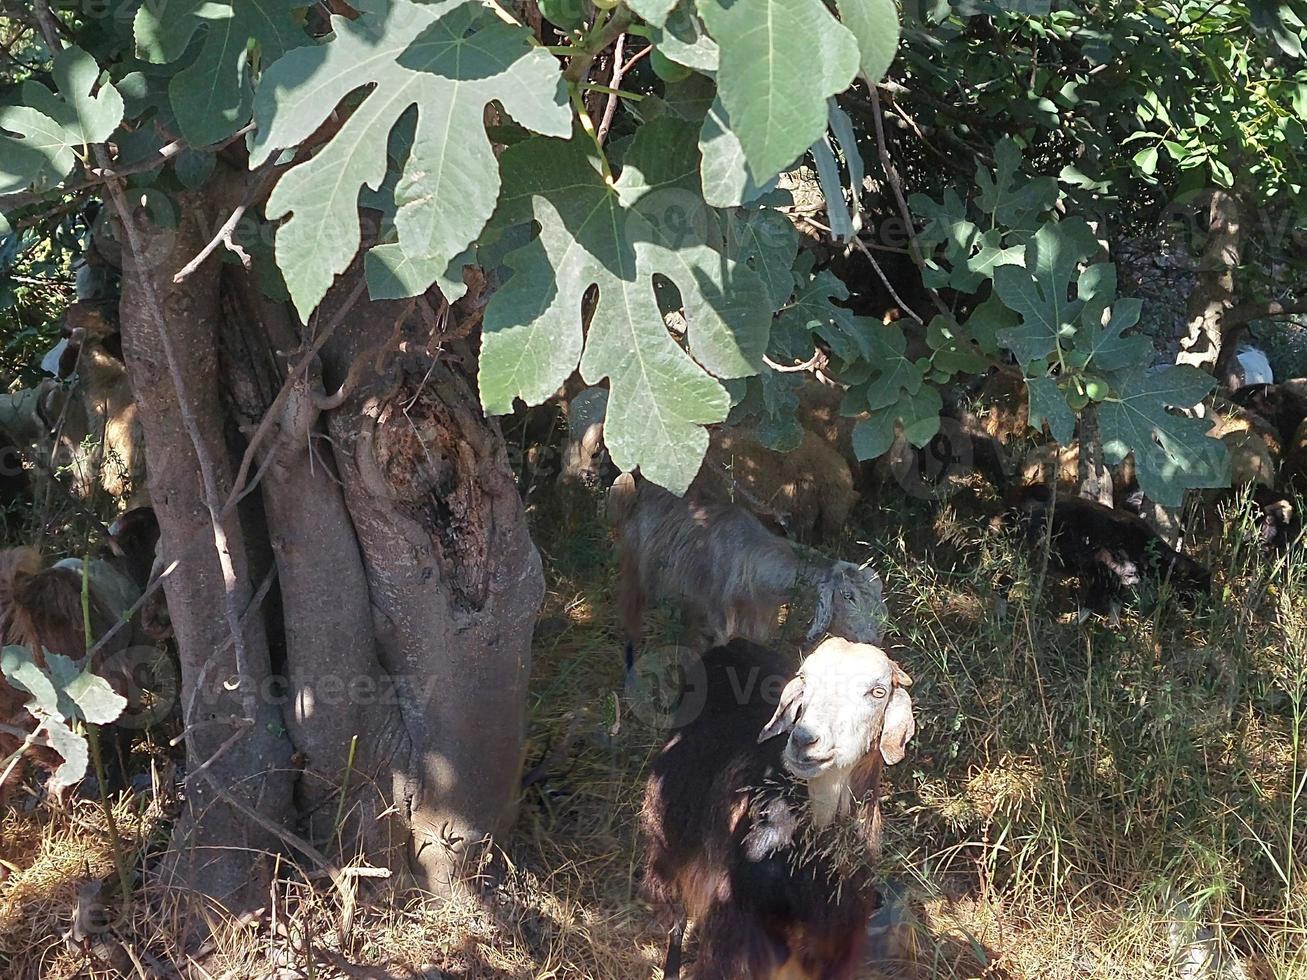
(767, 843)
(1111, 551)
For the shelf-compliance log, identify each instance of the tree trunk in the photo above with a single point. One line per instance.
(1214, 290)
(217, 848)
(393, 655)
(454, 578)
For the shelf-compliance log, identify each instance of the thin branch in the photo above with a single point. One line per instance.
(615, 84)
(223, 236)
(861, 246)
(635, 58)
(896, 185)
(817, 360)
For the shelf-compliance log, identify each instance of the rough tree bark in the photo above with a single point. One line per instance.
(406, 581)
(1214, 290)
(217, 847)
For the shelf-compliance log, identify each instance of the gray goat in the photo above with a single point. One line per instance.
(729, 574)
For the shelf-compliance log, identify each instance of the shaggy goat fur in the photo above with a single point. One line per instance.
(1109, 550)
(733, 841)
(806, 493)
(729, 574)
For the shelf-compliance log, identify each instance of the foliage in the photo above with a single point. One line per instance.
(64, 695)
(384, 105)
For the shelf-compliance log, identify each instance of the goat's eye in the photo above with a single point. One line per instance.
(848, 595)
(878, 692)
(596, 454)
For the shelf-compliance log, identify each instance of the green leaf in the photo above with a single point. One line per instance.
(41, 151)
(89, 111)
(987, 322)
(1040, 292)
(780, 60)
(1173, 453)
(1107, 350)
(653, 222)
(728, 179)
(211, 96)
(47, 128)
(1146, 160)
(96, 701)
(918, 413)
(652, 11)
(828, 174)
(812, 312)
(682, 39)
(449, 59)
(875, 26)
(72, 748)
(766, 240)
(20, 667)
(893, 375)
(872, 437)
(1014, 200)
(1048, 404)
(567, 14)
(954, 350)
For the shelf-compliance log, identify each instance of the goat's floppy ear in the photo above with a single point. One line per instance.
(787, 712)
(898, 727)
(821, 616)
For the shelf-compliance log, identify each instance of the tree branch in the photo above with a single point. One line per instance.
(1237, 316)
(892, 175)
(611, 108)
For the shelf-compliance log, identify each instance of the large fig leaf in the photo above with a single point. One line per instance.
(780, 60)
(875, 24)
(50, 130)
(652, 222)
(767, 241)
(1040, 291)
(88, 111)
(1172, 452)
(211, 96)
(449, 59)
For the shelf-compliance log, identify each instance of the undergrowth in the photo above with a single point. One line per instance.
(1079, 801)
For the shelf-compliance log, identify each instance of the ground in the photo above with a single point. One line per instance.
(1071, 791)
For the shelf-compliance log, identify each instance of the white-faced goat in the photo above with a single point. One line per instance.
(767, 843)
(728, 573)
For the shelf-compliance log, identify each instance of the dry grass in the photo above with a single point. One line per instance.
(1069, 788)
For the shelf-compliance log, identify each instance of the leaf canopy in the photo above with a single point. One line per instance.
(618, 237)
(450, 59)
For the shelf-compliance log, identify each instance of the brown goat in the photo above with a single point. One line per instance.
(729, 574)
(767, 843)
(806, 493)
(41, 609)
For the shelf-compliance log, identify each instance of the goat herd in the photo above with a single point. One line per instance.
(764, 841)
(750, 835)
